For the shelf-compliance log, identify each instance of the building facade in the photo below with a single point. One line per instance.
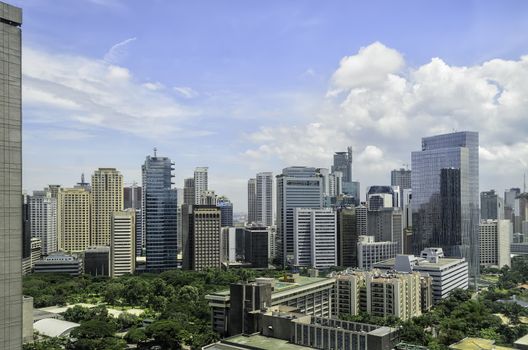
(343, 163)
(297, 187)
(107, 197)
(11, 174)
(96, 261)
(491, 206)
(60, 263)
(43, 217)
(226, 210)
(159, 214)
(386, 224)
(201, 182)
(123, 243)
(74, 219)
(370, 252)
(495, 241)
(264, 198)
(252, 200)
(132, 197)
(188, 191)
(347, 237)
(445, 189)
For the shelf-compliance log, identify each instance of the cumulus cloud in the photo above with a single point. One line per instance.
(383, 107)
(95, 93)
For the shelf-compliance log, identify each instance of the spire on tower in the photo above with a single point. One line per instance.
(155, 152)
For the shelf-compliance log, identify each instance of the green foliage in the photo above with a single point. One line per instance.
(46, 344)
(136, 336)
(94, 329)
(166, 333)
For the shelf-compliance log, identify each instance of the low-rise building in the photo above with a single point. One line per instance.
(59, 262)
(96, 261)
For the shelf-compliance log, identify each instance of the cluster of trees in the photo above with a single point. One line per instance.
(174, 302)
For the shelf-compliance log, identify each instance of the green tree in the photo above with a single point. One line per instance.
(166, 333)
(136, 336)
(113, 292)
(94, 329)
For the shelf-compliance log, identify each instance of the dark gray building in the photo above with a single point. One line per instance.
(132, 197)
(252, 200)
(11, 231)
(401, 177)
(347, 237)
(386, 224)
(188, 191)
(59, 263)
(445, 190)
(159, 213)
(256, 246)
(491, 206)
(297, 187)
(343, 163)
(226, 212)
(97, 261)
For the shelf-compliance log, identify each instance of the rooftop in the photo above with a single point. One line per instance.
(477, 344)
(52, 327)
(260, 342)
(422, 263)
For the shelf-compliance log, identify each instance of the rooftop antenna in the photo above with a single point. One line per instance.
(155, 152)
(82, 178)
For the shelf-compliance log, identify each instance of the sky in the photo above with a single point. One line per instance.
(249, 86)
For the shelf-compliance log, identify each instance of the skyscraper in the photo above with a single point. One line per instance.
(107, 197)
(343, 163)
(74, 222)
(445, 190)
(188, 191)
(226, 210)
(159, 213)
(495, 240)
(43, 217)
(264, 194)
(386, 224)
(297, 187)
(11, 175)
(491, 206)
(252, 200)
(123, 245)
(401, 177)
(509, 204)
(347, 237)
(132, 197)
(200, 183)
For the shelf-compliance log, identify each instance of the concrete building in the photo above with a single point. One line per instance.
(509, 204)
(202, 237)
(380, 197)
(208, 197)
(11, 175)
(445, 189)
(43, 217)
(402, 178)
(96, 261)
(232, 308)
(107, 197)
(491, 206)
(122, 243)
(201, 182)
(314, 235)
(59, 262)
(256, 246)
(297, 187)
(362, 220)
(36, 251)
(252, 200)
(343, 164)
(347, 237)
(370, 252)
(386, 224)
(160, 214)
(447, 274)
(264, 198)
(188, 191)
(74, 219)
(495, 240)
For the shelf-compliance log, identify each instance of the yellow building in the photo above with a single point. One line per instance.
(74, 219)
(107, 198)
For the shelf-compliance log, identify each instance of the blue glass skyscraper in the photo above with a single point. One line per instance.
(159, 213)
(445, 190)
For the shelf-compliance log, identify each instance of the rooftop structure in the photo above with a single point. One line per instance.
(52, 327)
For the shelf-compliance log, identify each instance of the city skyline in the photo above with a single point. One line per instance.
(157, 87)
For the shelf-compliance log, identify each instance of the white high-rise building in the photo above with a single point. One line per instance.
(495, 240)
(315, 240)
(370, 252)
(264, 200)
(123, 243)
(43, 216)
(200, 183)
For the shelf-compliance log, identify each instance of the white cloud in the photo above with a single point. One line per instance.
(91, 92)
(118, 52)
(185, 91)
(383, 107)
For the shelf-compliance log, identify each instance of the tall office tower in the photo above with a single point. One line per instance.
(179, 228)
(347, 237)
(188, 191)
(74, 223)
(200, 183)
(406, 207)
(252, 200)
(107, 197)
(386, 224)
(26, 235)
(122, 243)
(314, 235)
(43, 216)
(495, 240)
(160, 222)
(132, 197)
(226, 211)
(202, 238)
(362, 222)
(401, 178)
(343, 163)
(445, 175)
(256, 250)
(509, 204)
(380, 197)
(264, 190)
(297, 187)
(11, 175)
(491, 206)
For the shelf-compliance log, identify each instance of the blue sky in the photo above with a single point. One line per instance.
(248, 86)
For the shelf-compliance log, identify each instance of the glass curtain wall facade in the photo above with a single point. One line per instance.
(445, 205)
(159, 214)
